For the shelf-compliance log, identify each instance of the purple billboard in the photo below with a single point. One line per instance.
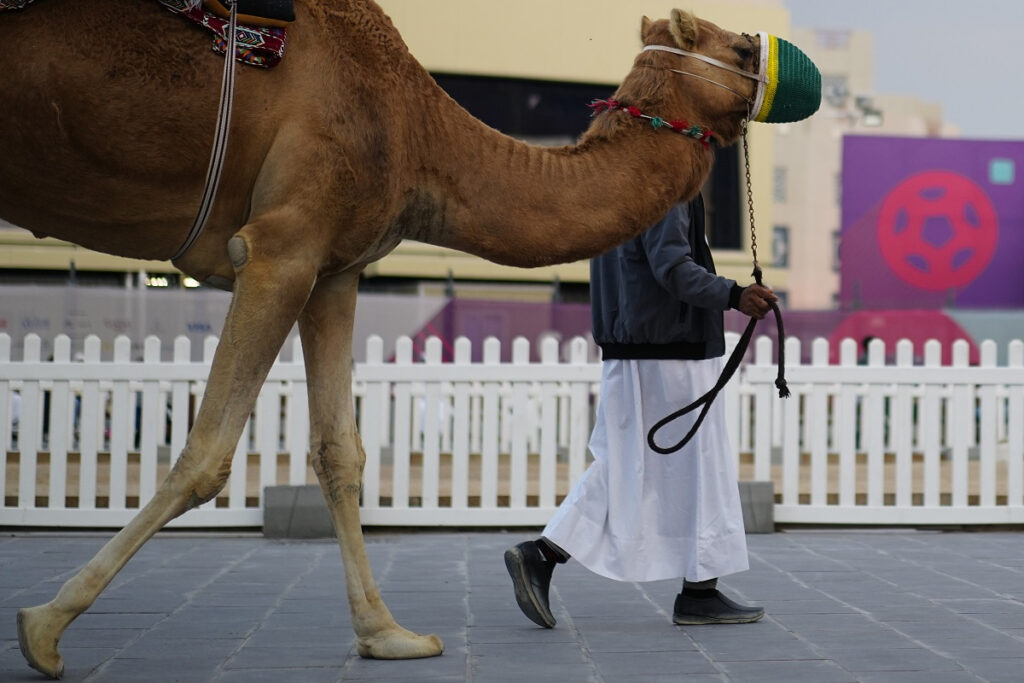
(930, 223)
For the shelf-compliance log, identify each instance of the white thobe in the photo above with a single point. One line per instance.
(636, 515)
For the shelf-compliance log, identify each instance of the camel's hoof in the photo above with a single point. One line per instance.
(400, 644)
(39, 649)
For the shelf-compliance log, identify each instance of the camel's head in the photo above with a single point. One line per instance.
(722, 78)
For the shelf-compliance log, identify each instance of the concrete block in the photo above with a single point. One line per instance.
(300, 511)
(295, 512)
(758, 500)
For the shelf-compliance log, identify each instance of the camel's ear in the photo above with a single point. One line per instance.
(645, 26)
(683, 26)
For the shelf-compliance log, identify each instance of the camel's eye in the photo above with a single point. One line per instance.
(745, 53)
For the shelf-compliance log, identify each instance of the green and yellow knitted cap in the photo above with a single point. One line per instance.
(790, 84)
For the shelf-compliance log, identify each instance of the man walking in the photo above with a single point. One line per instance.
(636, 515)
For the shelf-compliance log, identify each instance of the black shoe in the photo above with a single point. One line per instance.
(531, 578)
(714, 609)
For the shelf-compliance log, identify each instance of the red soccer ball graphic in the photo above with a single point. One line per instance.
(938, 230)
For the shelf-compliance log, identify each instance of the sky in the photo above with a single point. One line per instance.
(967, 56)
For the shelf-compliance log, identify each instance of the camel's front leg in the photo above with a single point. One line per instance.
(337, 454)
(268, 295)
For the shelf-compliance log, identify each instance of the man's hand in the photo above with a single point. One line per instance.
(755, 300)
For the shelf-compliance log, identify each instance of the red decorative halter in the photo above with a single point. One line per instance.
(703, 135)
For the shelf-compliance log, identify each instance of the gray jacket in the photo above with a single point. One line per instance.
(657, 296)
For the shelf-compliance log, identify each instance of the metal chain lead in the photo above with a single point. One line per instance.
(704, 402)
(750, 204)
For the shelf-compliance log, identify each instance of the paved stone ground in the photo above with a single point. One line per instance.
(842, 606)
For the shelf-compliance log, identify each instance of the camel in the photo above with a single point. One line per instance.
(337, 154)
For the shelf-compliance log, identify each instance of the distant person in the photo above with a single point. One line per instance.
(864, 343)
(635, 515)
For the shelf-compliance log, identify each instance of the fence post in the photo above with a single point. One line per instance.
(731, 405)
(460, 436)
(60, 426)
(901, 422)
(401, 439)
(817, 418)
(371, 414)
(28, 428)
(432, 416)
(847, 419)
(153, 416)
(120, 414)
(297, 422)
(549, 421)
(763, 415)
(519, 427)
(931, 416)
(873, 423)
(490, 434)
(579, 409)
(1015, 437)
(268, 430)
(987, 438)
(181, 395)
(962, 417)
(791, 434)
(90, 435)
(6, 416)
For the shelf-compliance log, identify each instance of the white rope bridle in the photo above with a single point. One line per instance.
(220, 137)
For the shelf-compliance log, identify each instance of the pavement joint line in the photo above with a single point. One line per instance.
(62, 578)
(822, 651)
(851, 606)
(934, 601)
(700, 648)
(466, 607)
(310, 566)
(581, 643)
(962, 580)
(188, 595)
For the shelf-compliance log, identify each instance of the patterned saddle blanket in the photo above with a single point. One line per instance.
(257, 45)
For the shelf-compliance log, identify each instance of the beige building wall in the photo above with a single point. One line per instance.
(583, 41)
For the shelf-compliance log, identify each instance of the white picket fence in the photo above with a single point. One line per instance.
(889, 444)
(499, 444)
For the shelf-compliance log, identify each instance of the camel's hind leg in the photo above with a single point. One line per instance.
(266, 302)
(337, 454)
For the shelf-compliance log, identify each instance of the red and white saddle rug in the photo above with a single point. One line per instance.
(257, 45)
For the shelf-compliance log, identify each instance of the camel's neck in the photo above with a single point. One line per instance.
(461, 184)
(523, 205)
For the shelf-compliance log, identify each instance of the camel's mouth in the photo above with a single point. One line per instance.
(788, 82)
(752, 57)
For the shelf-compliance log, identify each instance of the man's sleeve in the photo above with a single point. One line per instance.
(672, 264)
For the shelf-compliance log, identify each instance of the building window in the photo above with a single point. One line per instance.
(836, 242)
(526, 108)
(723, 199)
(780, 183)
(780, 246)
(1001, 171)
(833, 39)
(835, 90)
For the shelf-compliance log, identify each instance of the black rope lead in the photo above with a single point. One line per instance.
(727, 372)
